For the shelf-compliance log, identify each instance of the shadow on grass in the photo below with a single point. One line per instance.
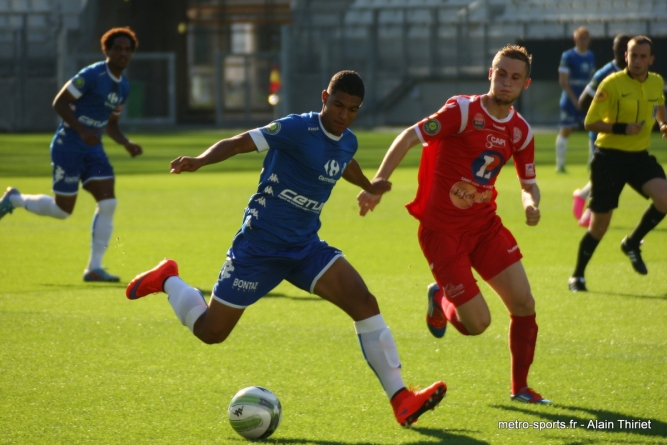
(86, 285)
(292, 297)
(440, 435)
(606, 421)
(642, 297)
(276, 295)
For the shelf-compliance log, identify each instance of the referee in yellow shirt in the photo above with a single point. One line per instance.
(624, 110)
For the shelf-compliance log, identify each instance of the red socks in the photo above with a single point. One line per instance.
(450, 312)
(522, 339)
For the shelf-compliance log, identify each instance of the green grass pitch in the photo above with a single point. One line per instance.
(80, 364)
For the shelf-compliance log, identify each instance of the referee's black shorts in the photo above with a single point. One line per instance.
(611, 169)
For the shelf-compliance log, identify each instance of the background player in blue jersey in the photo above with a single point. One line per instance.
(89, 104)
(577, 65)
(278, 240)
(580, 196)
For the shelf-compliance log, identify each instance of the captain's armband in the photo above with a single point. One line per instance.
(618, 128)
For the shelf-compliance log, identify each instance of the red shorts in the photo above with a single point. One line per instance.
(452, 256)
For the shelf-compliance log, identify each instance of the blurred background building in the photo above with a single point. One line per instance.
(205, 62)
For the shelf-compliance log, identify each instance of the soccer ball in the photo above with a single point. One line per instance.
(255, 412)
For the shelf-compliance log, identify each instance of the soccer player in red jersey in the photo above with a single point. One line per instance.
(466, 143)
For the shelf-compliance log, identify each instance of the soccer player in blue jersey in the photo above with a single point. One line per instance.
(89, 104)
(580, 196)
(577, 65)
(306, 155)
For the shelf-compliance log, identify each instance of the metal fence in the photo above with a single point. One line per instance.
(28, 69)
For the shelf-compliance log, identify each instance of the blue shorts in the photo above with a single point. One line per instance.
(570, 117)
(74, 163)
(252, 271)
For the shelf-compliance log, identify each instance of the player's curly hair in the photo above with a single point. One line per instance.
(515, 52)
(347, 82)
(108, 38)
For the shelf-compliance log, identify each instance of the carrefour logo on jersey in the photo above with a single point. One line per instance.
(112, 100)
(487, 166)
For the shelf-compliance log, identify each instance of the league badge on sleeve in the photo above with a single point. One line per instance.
(79, 82)
(600, 95)
(272, 128)
(431, 127)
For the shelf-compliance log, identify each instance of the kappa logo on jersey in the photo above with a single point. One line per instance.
(268, 190)
(261, 201)
(274, 178)
(58, 174)
(331, 167)
(516, 136)
(487, 166)
(530, 170)
(431, 127)
(226, 270)
(478, 121)
(272, 128)
(301, 201)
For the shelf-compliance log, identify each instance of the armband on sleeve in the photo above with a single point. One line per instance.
(619, 128)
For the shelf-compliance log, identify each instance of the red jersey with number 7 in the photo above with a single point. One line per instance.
(464, 149)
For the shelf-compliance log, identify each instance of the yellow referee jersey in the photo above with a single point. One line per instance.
(622, 99)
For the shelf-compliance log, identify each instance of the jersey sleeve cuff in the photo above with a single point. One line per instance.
(259, 140)
(73, 91)
(527, 181)
(420, 135)
(563, 69)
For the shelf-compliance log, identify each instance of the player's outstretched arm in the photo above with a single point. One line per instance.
(530, 198)
(354, 175)
(403, 142)
(113, 130)
(217, 152)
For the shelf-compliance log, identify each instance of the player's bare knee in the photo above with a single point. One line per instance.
(370, 300)
(478, 325)
(211, 337)
(61, 211)
(524, 305)
(61, 214)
